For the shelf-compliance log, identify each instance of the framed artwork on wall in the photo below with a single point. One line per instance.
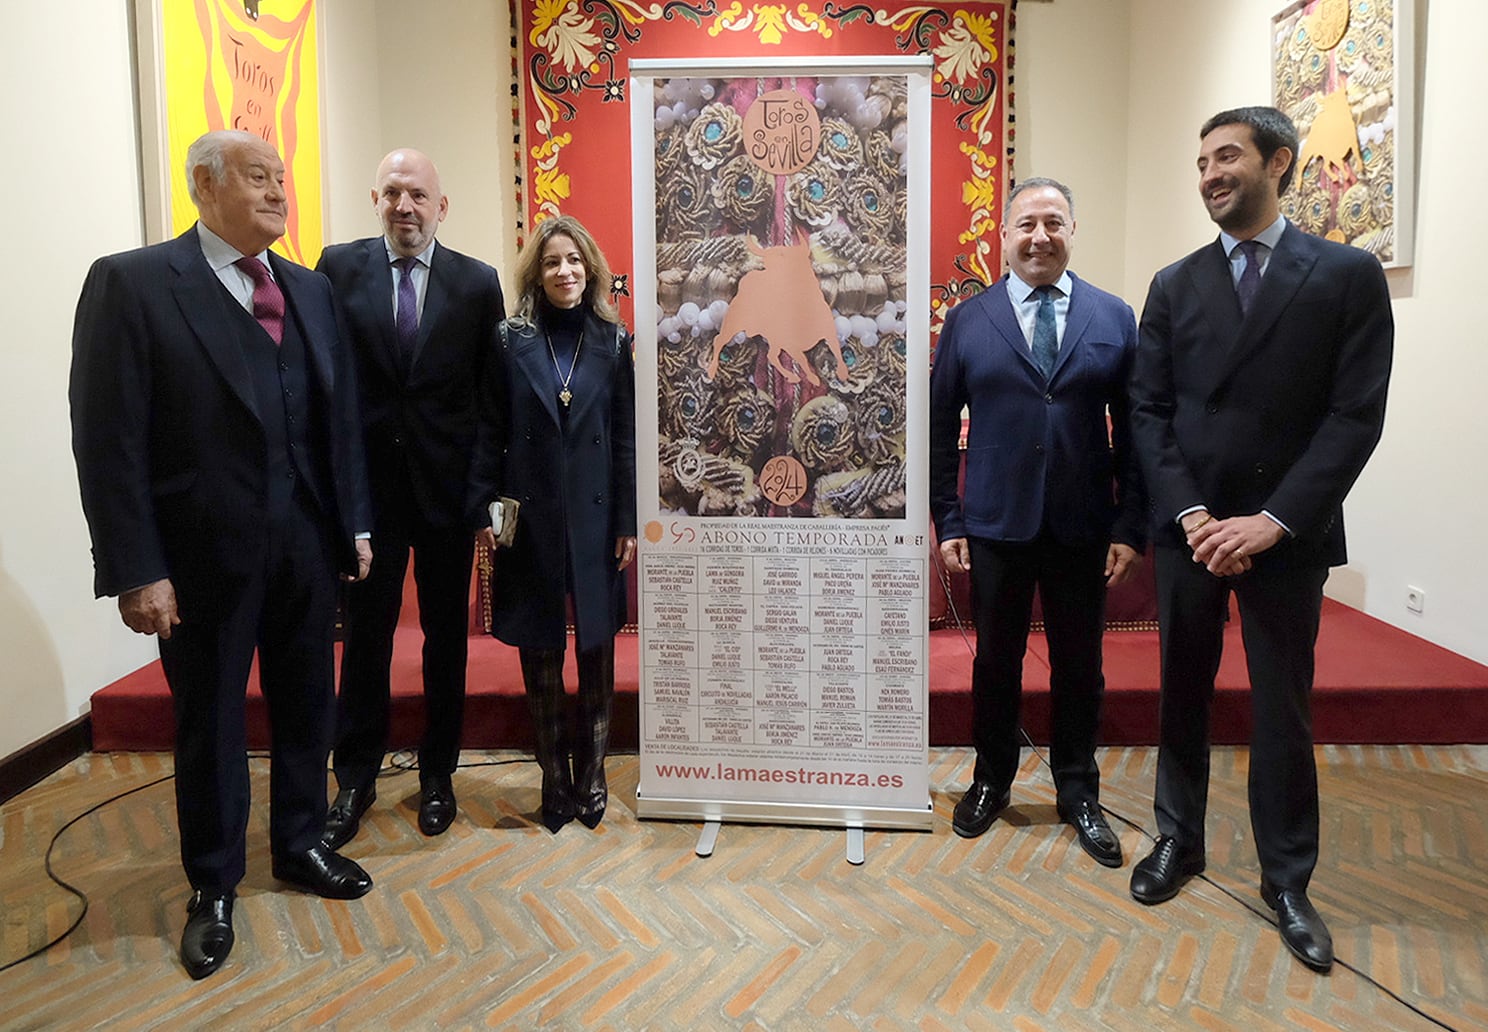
(231, 64)
(1344, 71)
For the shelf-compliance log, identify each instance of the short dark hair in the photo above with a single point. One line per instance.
(1034, 183)
(1270, 129)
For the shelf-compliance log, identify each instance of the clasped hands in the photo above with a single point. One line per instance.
(1228, 547)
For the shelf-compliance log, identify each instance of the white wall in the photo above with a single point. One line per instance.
(1413, 515)
(74, 196)
(1071, 111)
(446, 89)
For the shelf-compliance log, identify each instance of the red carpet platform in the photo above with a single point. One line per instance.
(1375, 684)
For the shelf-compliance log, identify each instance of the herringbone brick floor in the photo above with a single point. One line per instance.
(500, 925)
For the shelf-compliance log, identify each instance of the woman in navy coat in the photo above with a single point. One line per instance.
(558, 435)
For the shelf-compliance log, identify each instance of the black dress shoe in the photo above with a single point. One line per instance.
(977, 809)
(345, 815)
(1163, 871)
(1301, 928)
(323, 872)
(591, 818)
(436, 804)
(208, 937)
(1095, 835)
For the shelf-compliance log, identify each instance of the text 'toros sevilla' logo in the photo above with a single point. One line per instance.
(781, 132)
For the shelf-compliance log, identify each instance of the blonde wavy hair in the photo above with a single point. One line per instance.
(597, 276)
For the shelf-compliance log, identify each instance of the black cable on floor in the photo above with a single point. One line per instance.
(79, 893)
(394, 766)
(945, 582)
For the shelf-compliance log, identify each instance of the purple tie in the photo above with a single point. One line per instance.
(407, 311)
(268, 299)
(1250, 276)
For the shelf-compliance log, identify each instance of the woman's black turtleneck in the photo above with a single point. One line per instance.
(562, 327)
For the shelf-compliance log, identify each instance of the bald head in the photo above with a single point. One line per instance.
(408, 200)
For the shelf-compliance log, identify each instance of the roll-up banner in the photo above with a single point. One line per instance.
(782, 361)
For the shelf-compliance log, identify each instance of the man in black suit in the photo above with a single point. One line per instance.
(1259, 394)
(1052, 499)
(222, 476)
(422, 320)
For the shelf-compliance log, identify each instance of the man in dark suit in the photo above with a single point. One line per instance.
(1052, 498)
(422, 320)
(215, 432)
(1259, 394)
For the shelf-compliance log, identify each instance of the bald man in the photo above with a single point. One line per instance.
(421, 319)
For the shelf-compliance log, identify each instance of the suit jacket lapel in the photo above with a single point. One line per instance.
(595, 364)
(1210, 274)
(203, 301)
(436, 292)
(1289, 267)
(1004, 319)
(317, 336)
(1075, 320)
(378, 282)
(530, 351)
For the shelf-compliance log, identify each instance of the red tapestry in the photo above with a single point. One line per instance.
(571, 69)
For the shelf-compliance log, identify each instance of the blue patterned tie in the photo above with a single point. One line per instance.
(407, 311)
(1250, 276)
(1045, 333)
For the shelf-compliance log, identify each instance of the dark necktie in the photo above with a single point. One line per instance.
(268, 299)
(1045, 332)
(1250, 277)
(407, 311)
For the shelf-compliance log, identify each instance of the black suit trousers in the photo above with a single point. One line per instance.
(442, 558)
(1280, 608)
(1072, 590)
(288, 614)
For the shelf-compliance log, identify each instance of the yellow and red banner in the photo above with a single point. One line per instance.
(253, 66)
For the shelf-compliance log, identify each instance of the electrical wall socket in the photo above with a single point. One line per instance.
(1415, 599)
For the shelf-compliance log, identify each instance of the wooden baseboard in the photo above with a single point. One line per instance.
(29, 764)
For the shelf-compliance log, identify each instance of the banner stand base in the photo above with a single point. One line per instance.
(855, 846)
(707, 838)
(852, 818)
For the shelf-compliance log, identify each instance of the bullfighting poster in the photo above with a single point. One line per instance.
(782, 356)
(1344, 72)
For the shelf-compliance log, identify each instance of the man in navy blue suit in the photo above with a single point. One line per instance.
(1258, 395)
(220, 461)
(1052, 498)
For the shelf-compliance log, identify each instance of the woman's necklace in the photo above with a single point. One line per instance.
(565, 395)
